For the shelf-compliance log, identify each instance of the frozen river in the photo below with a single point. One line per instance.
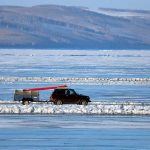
(119, 76)
(82, 132)
(86, 71)
(75, 63)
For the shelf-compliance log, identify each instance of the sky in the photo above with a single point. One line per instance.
(93, 4)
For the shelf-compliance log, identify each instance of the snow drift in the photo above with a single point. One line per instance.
(76, 80)
(101, 108)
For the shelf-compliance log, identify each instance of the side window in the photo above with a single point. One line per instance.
(66, 92)
(72, 92)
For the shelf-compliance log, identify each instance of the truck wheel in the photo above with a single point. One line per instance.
(59, 102)
(84, 102)
(25, 102)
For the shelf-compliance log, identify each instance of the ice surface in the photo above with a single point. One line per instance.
(75, 63)
(80, 124)
(109, 108)
(82, 132)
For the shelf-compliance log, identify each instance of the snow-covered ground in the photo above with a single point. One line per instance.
(102, 108)
(121, 13)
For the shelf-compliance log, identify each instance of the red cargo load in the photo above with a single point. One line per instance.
(45, 88)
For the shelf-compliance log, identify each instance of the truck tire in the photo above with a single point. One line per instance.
(59, 102)
(84, 102)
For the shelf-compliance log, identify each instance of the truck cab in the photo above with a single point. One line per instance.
(68, 96)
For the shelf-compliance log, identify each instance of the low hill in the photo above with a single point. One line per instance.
(51, 26)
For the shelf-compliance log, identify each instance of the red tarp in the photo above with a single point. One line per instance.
(45, 88)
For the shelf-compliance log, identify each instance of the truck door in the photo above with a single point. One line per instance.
(71, 96)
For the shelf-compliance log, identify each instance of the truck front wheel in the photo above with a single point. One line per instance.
(84, 102)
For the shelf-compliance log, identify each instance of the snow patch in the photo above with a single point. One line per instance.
(120, 13)
(100, 108)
